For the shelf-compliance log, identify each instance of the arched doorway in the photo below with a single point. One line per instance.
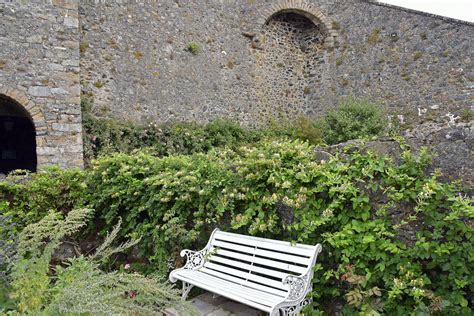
(291, 62)
(17, 137)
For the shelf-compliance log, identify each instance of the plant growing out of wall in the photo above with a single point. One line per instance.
(83, 46)
(99, 84)
(193, 48)
(353, 119)
(138, 55)
(417, 55)
(374, 37)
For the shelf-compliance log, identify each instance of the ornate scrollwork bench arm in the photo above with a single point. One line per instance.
(299, 288)
(194, 261)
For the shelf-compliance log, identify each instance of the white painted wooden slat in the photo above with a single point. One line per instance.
(246, 275)
(229, 293)
(241, 290)
(264, 253)
(223, 244)
(220, 232)
(268, 244)
(252, 285)
(248, 267)
(262, 261)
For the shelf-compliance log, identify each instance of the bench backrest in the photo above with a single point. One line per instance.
(258, 263)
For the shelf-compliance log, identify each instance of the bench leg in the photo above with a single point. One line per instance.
(186, 289)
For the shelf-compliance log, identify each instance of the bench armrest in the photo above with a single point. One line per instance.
(194, 259)
(299, 286)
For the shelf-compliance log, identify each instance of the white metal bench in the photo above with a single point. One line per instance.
(270, 275)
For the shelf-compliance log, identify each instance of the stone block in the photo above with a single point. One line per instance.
(65, 127)
(203, 307)
(48, 151)
(66, 4)
(59, 91)
(239, 309)
(39, 91)
(219, 312)
(71, 21)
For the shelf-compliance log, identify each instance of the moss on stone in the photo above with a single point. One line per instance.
(99, 84)
(417, 55)
(138, 55)
(83, 46)
(193, 48)
(374, 37)
(467, 115)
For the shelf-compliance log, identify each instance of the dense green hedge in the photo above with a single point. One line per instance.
(360, 206)
(350, 119)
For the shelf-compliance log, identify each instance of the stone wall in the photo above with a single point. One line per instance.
(251, 61)
(451, 147)
(260, 60)
(39, 70)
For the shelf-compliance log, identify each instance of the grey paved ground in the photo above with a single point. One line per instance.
(209, 305)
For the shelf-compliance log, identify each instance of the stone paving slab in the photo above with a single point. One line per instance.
(210, 305)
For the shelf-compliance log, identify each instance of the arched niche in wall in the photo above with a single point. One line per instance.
(294, 37)
(17, 137)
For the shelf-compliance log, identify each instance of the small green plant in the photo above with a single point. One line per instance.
(445, 53)
(344, 82)
(193, 48)
(467, 115)
(83, 46)
(374, 37)
(339, 60)
(353, 119)
(417, 55)
(138, 55)
(99, 84)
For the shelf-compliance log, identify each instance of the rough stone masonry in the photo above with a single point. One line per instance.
(39, 70)
(253, 61)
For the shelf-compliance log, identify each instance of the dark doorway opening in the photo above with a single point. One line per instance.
(17, 137)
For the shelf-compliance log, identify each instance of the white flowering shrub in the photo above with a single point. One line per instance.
(395, 239)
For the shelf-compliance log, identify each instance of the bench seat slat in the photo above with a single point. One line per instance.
(231, 290)
(264, 253)
(268, 244)
(245, 275)
(258, 295)
(252, 285)
(248, 267)
(262, 261)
